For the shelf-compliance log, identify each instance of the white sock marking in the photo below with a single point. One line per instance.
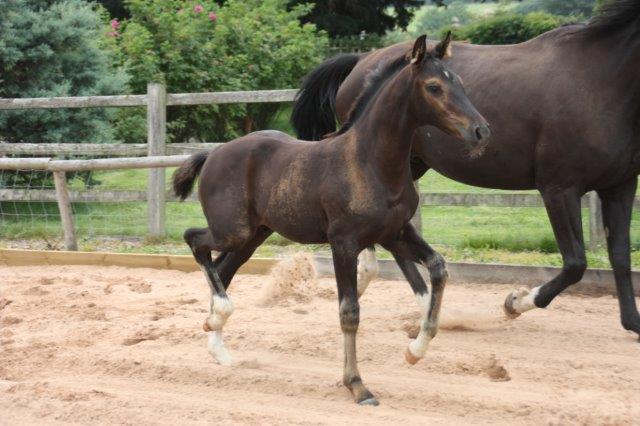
(524, 300)
(418, 347)
(217, 349)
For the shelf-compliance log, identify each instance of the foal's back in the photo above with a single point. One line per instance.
(268, 178)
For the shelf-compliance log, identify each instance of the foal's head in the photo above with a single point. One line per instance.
(438, 98)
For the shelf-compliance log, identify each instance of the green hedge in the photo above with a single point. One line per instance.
(199, 46)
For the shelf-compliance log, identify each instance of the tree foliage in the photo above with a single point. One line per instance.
(508, 28)
(197, 46)
(50, 48)
(343, 18)
(576, 8)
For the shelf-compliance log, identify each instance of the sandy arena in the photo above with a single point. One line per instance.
(112, 345)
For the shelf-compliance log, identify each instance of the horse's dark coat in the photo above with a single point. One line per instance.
(565, 115)
(352, 190)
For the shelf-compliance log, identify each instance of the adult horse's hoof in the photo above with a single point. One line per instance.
(410, 358)
(508, 309)
(369, 401)
(510, 302)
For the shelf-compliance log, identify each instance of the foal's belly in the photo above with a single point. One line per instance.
(301, 225)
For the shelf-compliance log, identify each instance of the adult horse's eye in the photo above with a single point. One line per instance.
(434, 89)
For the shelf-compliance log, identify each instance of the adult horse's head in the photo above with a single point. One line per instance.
(439, 99)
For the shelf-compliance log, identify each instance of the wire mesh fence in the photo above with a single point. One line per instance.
(110, 211)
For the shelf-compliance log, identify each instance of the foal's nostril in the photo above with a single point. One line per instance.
(482, 133)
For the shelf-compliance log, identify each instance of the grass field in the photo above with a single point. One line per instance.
(482, 234)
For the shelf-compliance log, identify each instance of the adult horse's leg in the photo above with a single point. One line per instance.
(345, 255)
(563, 208)
(617, 206)
(409, 248)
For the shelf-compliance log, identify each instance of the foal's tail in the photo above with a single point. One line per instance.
(185, 176)
(314, 108)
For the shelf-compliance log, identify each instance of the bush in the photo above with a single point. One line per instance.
(508, 28)
(52, 48)
(431, 20)
(582, 8)
(199, 46)
(575, 8)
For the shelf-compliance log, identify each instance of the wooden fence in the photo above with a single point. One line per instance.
(159, 155)
(156, 100)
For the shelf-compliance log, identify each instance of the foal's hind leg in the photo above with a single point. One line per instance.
(220, 308)
(219, 274)
(367, 268)
(409, 248)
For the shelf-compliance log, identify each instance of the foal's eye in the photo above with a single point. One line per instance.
(434, 89)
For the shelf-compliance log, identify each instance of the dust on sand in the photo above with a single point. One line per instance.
(84, 344)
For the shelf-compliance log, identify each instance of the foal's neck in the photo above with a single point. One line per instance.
(384, 132)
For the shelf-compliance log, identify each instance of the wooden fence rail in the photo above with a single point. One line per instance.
(99, 149)
(173, 99)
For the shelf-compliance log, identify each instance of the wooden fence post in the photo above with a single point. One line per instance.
(66, 213)
(597, 236)
(156, 145)
(416, 220)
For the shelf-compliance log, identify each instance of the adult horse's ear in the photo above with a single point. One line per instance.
(443, 49)
(419, 50)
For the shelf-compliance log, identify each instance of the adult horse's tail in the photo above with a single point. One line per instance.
(186, 175)
(314, 109)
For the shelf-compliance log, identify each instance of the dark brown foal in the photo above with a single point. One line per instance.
(352, 190)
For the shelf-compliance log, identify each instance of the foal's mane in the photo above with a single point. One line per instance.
(613, 16)
(374, 82)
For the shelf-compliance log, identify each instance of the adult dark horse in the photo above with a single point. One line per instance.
(565, 115)
(351, 191)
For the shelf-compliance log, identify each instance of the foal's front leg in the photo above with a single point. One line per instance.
(407, 248)
(345, 256)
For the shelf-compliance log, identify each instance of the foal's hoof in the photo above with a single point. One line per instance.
(369, 401)
(218, 351)
(205, 326)
(410, 358)
(509, 303)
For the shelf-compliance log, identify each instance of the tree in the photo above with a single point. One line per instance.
(116, 8)
(199, 46)
(52, 48)
(343, 18)
(509, 28)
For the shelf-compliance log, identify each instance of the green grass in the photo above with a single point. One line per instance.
(477, 234)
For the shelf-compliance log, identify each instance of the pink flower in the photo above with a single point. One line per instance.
(198, 8)
(213, 17)
(115, 24)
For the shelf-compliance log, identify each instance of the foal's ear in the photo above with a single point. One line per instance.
(443, 49)
(419, 50)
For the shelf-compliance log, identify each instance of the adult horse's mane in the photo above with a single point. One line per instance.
(375, 81)
(613, 16)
